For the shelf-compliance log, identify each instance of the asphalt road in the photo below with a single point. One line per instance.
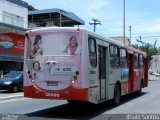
(147, 103)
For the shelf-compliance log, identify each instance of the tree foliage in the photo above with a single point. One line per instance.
(149, 49)
(30, 7)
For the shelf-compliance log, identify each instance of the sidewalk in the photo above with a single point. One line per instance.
(7, 95)
(153, 77)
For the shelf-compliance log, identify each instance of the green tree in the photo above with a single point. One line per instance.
(30, 7)
(148, 48)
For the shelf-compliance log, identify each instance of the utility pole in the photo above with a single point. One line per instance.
(124, 17)
(130, 30)
(94, 23)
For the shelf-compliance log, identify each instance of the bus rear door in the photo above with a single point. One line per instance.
(103, 79)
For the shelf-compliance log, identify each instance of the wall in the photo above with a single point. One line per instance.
(12, 47)
(155, 63)
(14, 9)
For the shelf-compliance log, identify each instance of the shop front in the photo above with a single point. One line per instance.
(11, 52)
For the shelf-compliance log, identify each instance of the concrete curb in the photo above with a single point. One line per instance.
(11, 97)
(154, 78)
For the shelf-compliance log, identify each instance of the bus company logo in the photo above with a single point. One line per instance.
(57, 69)
(52, 95)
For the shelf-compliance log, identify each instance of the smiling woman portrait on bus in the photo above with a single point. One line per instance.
(72, 48)
(37, 49)
(36, 65)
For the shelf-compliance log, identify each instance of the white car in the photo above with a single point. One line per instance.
(157, 74)
(153, 73)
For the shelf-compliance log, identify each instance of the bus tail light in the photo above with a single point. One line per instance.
(29, 72)
(33, 81)
(34, 74)
(77, 72)
(72, 81)
(30, 76)
(75, 77)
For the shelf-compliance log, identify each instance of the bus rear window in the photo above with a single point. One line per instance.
(54, 44)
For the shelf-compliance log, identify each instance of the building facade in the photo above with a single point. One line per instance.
(53, 17)
(121, 39)
(13, 25)
(14, 12)
(155, 63)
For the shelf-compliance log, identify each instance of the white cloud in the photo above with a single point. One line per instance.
(61, 2)
(148, 27)
(97, 6)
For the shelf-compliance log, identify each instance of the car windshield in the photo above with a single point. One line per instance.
(13, 75)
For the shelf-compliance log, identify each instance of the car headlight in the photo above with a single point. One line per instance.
(7, 82)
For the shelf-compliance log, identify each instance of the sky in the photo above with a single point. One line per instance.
(142, 15)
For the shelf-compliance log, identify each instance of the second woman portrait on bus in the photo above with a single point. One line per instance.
(72, 48)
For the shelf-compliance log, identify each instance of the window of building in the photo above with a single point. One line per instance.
(92, 51)
(12, 19)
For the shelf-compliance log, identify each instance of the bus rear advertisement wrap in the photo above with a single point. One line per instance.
(53, 61)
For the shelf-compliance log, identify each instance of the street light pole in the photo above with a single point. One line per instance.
(124, 21)
(130, 30)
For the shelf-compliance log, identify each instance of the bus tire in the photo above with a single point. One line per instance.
(117, 95)
(139, 92)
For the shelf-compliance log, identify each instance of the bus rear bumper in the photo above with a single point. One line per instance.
(70, 93)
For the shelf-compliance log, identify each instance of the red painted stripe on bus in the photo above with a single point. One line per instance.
(71, 93)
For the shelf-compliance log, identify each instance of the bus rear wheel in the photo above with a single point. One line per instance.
(117, 95)
(139, 92)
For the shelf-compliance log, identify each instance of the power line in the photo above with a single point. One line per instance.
(148, 37)
(152, 34)
(95, 23)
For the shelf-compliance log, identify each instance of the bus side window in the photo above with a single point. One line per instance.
(92, 51)
(114, 56)
(123, 58)
(136, 61)
(141, 61)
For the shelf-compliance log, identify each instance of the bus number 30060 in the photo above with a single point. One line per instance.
(52, 95)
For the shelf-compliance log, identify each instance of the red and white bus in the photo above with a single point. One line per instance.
(79, 65)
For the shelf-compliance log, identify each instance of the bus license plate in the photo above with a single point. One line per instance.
(52, 83)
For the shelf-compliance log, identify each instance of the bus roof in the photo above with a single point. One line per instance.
(49, 29)
(132, 50)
